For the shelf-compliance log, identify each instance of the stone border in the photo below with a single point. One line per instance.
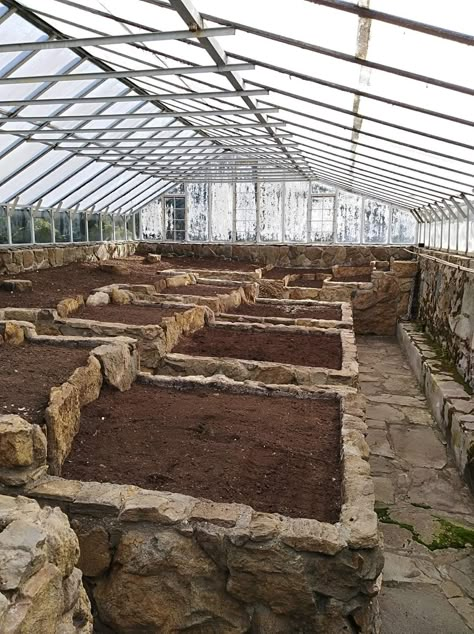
(268, 372)
(113, 360)
(311, 574)
(451, 405)
(14, 260)
(154, 340)
(41, 587)
(346, 320)
(226, 274)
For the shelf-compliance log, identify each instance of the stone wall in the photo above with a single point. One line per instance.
(451, 404)
(446, 308)
(164, 562)
(21, 259)
(41, 589)
(281, 254)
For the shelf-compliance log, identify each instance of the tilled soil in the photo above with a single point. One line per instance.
(275, 454)
(309, 349)
(127, 313)
(50, 286)
(355, 278)
(307, 283)
(288, 310)
(211, 264)
(204, 290)
(29, 371)
(279, 272)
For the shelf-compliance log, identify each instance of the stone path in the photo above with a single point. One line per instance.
(421, 501)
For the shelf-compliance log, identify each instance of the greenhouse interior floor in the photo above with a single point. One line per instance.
(426, 590)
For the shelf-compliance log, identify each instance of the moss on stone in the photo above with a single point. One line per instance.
(449, 535)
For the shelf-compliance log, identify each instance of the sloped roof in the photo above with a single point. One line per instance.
(375, 99)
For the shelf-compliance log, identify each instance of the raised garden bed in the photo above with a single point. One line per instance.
(279, 273)
(50, 286)
(306, 282)
(352, 279)
(140, 315)
(291, 310)
(29, 371)
(203, 290)
(210, 264)
(281, 354)
(224, 560)
(313, 348)
(216, 445)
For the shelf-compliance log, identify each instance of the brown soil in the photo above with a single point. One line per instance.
(275, 454)
(29, 372)
(355, 278)
(211, 264)
(279, 273)
(307, 283)
(50, 286)
(314, 349)
(127, 314)
(204, 290)
(288, 310)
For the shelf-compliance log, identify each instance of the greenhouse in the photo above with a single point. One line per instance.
(236, 317)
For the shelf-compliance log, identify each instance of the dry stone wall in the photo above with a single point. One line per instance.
(41, 588)
(280, 254)
(165, 562)
(19, 260)
(446, 308)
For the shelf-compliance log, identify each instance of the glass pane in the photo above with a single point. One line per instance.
(79, 227)
(43, 226)
(119, 228)
(296, 211)
(376, 218)
(61, 227)
(3, 226)
(152, 220)
(245, 212)
(348, 217)
(94, 227)
(107, 228)
(136, 226)
(270, 200)
(21, 226)
(198, 210)
(403, 229)
(322, 219)
(222, 203)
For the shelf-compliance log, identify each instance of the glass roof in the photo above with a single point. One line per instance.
(376, 99)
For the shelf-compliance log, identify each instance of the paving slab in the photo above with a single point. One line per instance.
(419, 610)
(418, 445)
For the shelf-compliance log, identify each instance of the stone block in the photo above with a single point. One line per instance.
(152, 258)
(98, 299)
(119, 363)
(62, 421)
(13, 333)
(16, 286)
(69, 305)
(120, 296)
(88, 381)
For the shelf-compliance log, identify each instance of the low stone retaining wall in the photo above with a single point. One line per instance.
(31, 258)
(35, 450)
(377, 305)
(446, 307)
(158, 560)
(322, 257)
(451, 404)
(267, 372)
(41, 588)
(222, 274)
(345, 308)
(153, 340)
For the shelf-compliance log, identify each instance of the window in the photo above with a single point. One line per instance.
(43, 226)
(175, 218)
(322, 218)
(93, 222)
(245, 212)
(21, 226)
(376, 219)
(3, 226)
(61, 227)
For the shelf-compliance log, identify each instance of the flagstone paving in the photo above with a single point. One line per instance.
(426, 511)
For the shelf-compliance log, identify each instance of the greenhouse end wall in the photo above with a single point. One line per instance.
(25, 225)
(276, 212)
